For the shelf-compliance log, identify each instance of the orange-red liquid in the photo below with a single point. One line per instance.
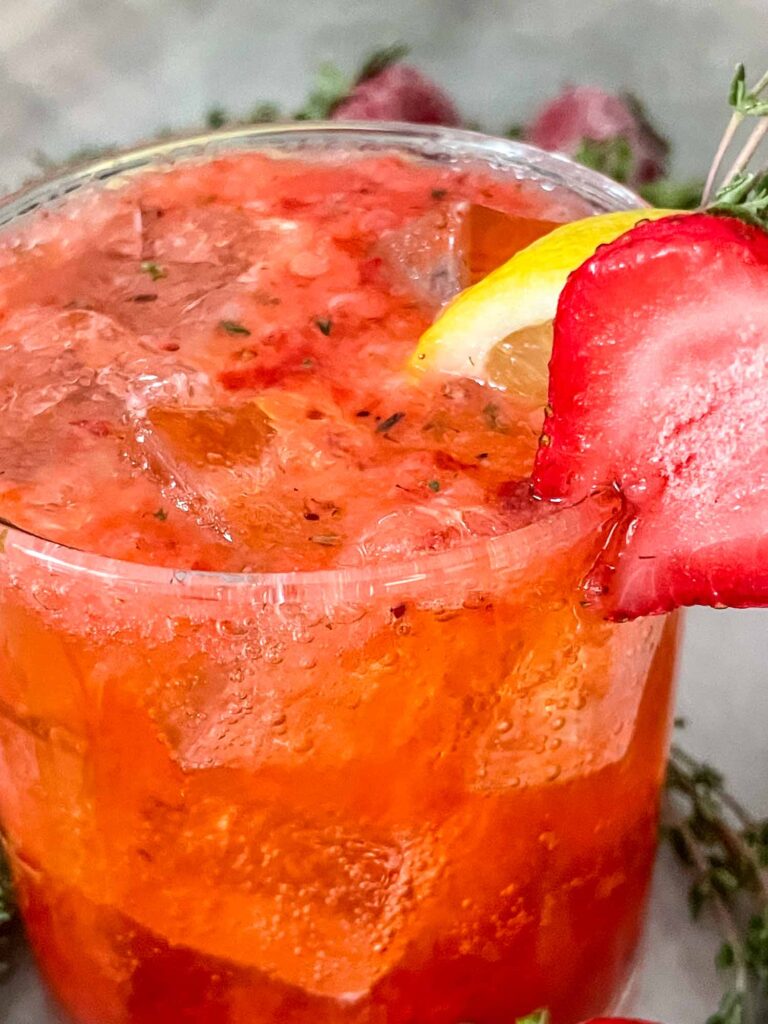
(430, 802)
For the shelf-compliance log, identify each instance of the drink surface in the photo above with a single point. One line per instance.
(202, 367)
(431, 803)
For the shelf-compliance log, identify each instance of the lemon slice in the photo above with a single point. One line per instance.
(500, 329)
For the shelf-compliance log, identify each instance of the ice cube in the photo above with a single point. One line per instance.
(568, 704)
(55, 413)
(71, 383)
(238, 468)
(206, 459)
(143, 381)
(317, 903)
(425, 257)
(60, 458)
(452, 246)
(105, 220)
(491, 237)
(46, 354)
(416, 529)
(298, 880)
(220, 437)
(145, 268)
(408, 531)
(147, 298)
(214, 234)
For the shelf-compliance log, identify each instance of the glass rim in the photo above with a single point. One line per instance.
(513, 547)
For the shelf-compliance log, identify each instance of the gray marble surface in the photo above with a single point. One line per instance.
(77, 72)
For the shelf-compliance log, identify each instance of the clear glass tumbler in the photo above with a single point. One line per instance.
(410, 793)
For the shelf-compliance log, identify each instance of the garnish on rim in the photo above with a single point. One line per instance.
(500, 328)
(658, 385)
(745, 103)
(657, 380)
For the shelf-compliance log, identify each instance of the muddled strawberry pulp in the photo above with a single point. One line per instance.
(202, 367)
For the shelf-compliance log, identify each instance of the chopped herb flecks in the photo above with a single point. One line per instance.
(439, 193)
(492, 417)
(233, 327)
(537, 1017)
(389, 422)
(155, 271)
(161, 514)
(327, 540)
(434, 485)
(323, 325)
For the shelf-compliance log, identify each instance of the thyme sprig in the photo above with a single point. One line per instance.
(745, 103)
(746, 197)
(726, 849)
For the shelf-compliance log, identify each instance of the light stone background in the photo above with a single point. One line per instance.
(77, 72)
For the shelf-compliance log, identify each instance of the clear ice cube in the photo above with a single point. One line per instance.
(215, 235)
(426, 258)
(205, 459)
(439, 253)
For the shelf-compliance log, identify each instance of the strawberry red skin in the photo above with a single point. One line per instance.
(587, 113)
(659, 389)
(398, 93)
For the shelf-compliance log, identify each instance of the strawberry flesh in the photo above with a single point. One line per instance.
(659, 389)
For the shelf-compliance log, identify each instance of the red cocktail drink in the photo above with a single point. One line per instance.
(302, 715)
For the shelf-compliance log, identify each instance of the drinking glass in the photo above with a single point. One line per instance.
(418, 792)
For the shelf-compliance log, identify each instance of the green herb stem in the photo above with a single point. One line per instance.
(745, 103)
(746, 153)
(727, 849)
(726, 920)
(725, 142)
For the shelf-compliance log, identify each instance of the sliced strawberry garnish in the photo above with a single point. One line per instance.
(617, 1020)
(659, 388)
